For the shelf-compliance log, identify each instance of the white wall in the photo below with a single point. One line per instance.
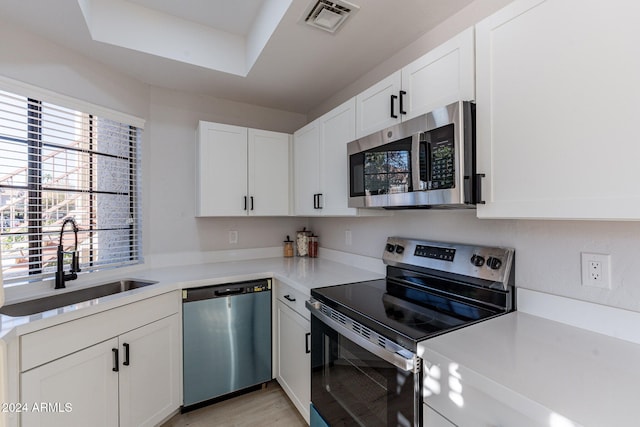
(168, 158)
(170, 176)
(547, 252)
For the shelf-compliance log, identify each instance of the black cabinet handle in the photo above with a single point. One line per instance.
(315, 201)
(126, 354)
(393, 114)
(251, 202)
(402, 94)
(307, 346)
(116, 363)
(319, 200)
(288, 298)
(479, 200)
(245, 203)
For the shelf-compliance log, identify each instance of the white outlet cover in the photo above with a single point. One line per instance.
(233, 237)
(604, 279)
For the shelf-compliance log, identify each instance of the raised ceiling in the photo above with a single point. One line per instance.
(298, 67)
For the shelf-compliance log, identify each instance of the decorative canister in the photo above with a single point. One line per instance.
(302, 242)
(313, 246)
(288, 248)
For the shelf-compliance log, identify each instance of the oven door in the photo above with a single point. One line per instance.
(356, 382)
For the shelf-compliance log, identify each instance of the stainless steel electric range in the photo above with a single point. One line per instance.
(364, 367)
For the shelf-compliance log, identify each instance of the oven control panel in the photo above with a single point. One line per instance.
(493, 264)
(435, 252)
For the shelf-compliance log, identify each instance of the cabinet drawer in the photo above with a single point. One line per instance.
(466, 398)
(293, 299)
(51, 343)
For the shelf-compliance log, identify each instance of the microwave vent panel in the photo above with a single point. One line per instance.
(329, 15)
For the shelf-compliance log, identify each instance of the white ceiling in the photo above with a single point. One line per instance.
(299, 67)
(236, 16)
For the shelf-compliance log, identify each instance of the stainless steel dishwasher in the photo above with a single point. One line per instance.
(226, 339)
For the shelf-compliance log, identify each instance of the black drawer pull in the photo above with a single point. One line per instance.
(307, 346)
(126, 354)
(393, 114)
(116, 362)
(479, 200)
(288, 298)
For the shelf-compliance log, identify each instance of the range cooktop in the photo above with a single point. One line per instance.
(430, 288)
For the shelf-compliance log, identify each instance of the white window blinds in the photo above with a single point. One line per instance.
(57, 163)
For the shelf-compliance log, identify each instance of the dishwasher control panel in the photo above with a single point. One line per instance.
(225, 290)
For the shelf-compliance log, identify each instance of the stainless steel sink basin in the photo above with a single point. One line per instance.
(39, 305)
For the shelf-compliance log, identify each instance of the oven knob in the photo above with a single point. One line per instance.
(391, 248)
(399, 249)
(494, 263)
(477, 260)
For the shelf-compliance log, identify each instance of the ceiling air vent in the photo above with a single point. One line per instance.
(329, 15)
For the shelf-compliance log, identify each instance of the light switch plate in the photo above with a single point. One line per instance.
(233, 237)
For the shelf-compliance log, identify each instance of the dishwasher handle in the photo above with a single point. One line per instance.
(227, 292)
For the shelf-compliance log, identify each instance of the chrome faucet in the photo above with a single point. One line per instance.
(61, 277)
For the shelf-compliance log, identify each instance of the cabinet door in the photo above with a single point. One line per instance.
(337, 128)
(221, 170)
(150, 372)
(373, 106)
(294, 363)
(557, 110)
(444, 75)
(85, 380)
(306, 167)
(431, 418)
(268, 173)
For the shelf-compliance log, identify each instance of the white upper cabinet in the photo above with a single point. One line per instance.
(378, 106)
(557, 110)
(306, 167)
(320, 163)
(444, 75)
(268, 173)
(440, 77)
(241, 171)
(337, 128)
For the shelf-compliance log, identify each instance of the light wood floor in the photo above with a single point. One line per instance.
(266, 407)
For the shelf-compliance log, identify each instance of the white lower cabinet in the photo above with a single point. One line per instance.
(131, 379)
(294, 361)
(455, 395)
(83, 380)
(149, 387)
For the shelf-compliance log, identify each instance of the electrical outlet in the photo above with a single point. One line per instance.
(233, 237)
(596, 270)
(347, 237)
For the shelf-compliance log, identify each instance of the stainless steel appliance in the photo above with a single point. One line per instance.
(226, 339)
(428, 161)
(365, 369)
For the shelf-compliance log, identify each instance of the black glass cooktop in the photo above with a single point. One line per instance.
(405, 314)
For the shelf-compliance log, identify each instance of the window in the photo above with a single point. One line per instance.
(58, 163)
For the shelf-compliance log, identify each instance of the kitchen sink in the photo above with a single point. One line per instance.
(39, 305)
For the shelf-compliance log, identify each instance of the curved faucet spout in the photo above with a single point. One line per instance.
(61, 277)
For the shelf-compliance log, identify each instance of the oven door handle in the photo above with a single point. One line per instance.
(400, 357)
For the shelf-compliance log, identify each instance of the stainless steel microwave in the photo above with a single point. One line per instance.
(426, 162)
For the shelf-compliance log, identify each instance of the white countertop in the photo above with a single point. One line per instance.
(587, 378)
(300, 273)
